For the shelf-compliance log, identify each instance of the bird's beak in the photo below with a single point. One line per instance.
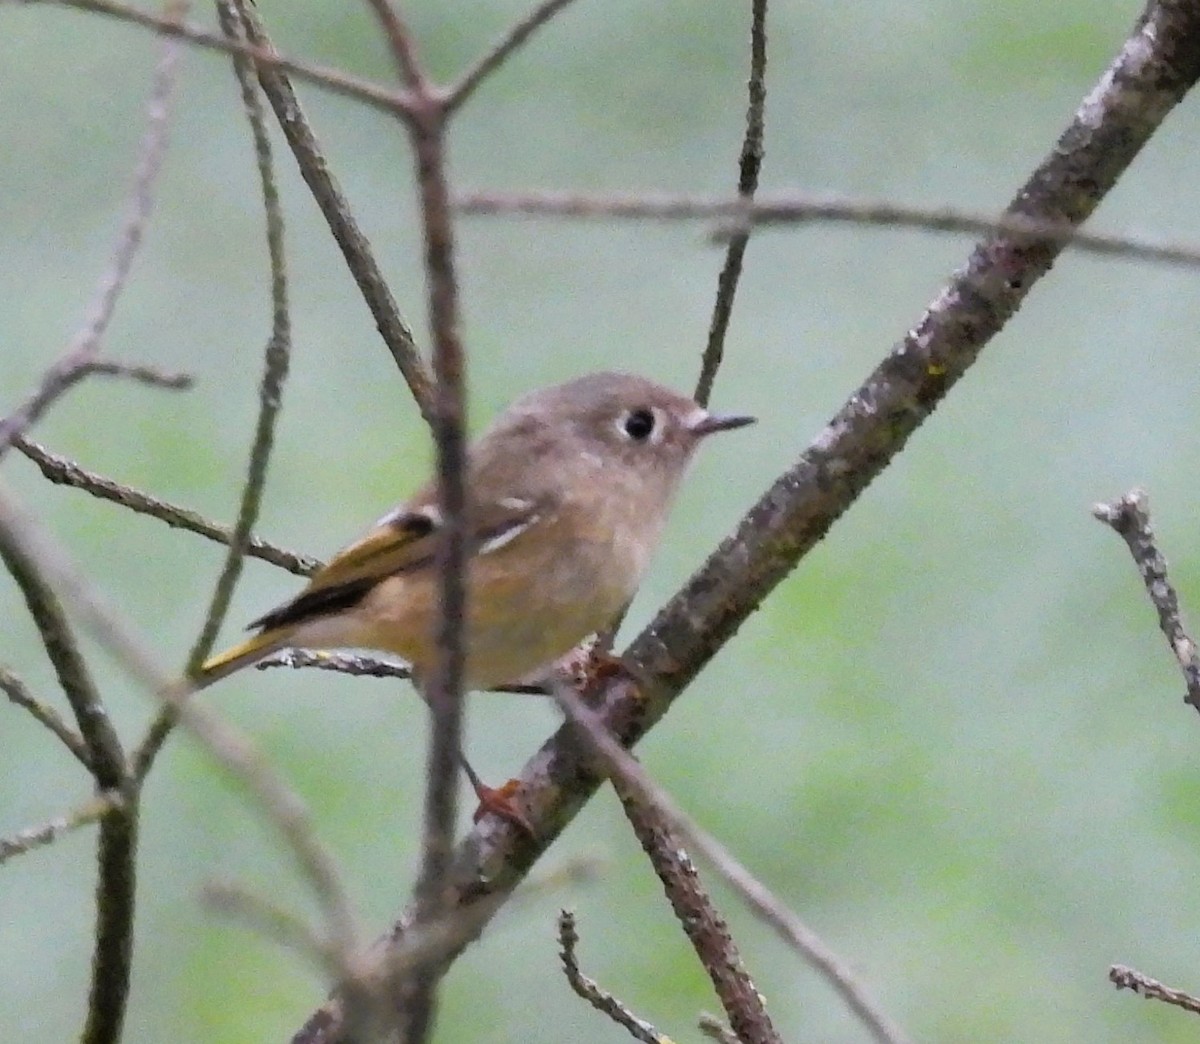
(708, 423)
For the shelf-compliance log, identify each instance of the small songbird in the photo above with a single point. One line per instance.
(567, 495)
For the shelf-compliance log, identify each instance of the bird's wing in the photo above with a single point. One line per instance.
(403, 541)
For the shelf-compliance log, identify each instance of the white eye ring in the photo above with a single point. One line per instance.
(642, 424)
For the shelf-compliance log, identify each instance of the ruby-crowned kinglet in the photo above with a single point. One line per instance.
(567, 496)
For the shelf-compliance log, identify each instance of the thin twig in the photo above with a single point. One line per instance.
(1130, 517)
(1130, 979)
(358, 665)
(444, 689)
(412, 946)
(500, 51)
(44, 714)
(69, 371)
(231, 749)
(701, 922)
(112, 951)
(773, 911)
(262, 915)
(64, 472)
(356, 250)
(798, 209)
(104, 750)
(151, 375)
(334, 80)
(714, 1029)
(647, 809)
(86, 343)
(600, 999)
(749, 165)
(400, 42)
(275, 369)
(116, 886)
(91, 811)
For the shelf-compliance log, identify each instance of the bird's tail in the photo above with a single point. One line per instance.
(241, 655)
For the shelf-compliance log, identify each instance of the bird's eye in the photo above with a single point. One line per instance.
(639, 424)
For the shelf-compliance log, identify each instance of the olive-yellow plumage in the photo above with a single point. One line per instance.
(567, 496)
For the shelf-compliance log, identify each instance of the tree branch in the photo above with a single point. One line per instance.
(64, 472)
(92, 810)
(79, 359)
(600, 999)
(117, 847)
(175, 27)
(749, 166)
(1129, 516)
(800, 208)
(1131, 979)
(398, 39)
(697, 915)
(48, 564)
(45, 715)
(275, 370)
(500, 51)
(657, 810)
(356, 250)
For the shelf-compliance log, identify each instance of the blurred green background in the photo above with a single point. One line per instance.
(953, 740)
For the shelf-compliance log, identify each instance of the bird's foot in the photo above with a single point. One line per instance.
(501, 801)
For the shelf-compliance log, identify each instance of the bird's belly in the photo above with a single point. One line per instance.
(528, 625)
(516, 621)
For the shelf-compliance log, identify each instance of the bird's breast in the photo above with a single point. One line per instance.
(529, 601)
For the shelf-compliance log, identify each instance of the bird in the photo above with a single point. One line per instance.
(567, 495)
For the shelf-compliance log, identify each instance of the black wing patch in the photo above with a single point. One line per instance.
(337, 596)
(321, 602)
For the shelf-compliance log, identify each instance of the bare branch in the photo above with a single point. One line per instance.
(749, 166)
(91, 811)
(800, 209)
(445, 686)
(400, 42)
(1130, 517)
(361, 666)
(64, 472)
(86, 343)
(701, 922)
(632, 779)
(334, 80)
(150, 375)
(275, 369)
(714, 1029)
(1130, 979)
(600, 999)
(263, 916)
(231, 749)
(357, 665)
(112, 952)
(360, 260)
(104, 750)
(500, 52)
(116, 886)
(655, 819)
(46, 715)
(443, 690)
